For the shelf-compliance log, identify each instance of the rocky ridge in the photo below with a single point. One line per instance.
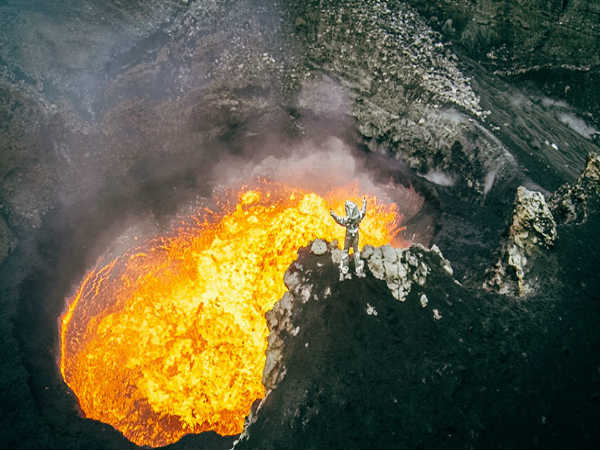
(404, 270)
(342, 353)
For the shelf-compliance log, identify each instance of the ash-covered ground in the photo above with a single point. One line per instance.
(115, 117)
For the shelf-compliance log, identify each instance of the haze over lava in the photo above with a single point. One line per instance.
(169, 338)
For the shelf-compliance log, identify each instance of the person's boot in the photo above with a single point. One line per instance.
(345, 267)
(359, 266)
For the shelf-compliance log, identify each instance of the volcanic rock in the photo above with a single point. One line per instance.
(404, 269)
(405, 272)
(414, 103)
(318, 247)
(529, 38)
(571, 203)
(116, 109)
(408, 372)
(532, 232)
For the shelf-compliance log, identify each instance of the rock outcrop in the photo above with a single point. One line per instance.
(404, 269)
(313, 279)
(351, 366)
(532, 232)
(571, 203)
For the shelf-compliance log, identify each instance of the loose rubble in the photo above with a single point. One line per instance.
(406, 91)
(403, 269)
(319, 247)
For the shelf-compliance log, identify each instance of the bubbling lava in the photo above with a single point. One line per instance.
(170, 337)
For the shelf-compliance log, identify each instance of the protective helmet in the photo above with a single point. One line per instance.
(351, 210)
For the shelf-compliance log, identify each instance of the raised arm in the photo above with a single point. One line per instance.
(363, 210)
(340, 220)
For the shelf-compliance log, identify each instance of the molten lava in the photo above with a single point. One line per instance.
(170, 337)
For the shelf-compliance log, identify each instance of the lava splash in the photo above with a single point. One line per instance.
(170, 337)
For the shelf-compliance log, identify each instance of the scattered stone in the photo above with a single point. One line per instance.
(389, 253)
(436, 315)
(305, 292)
(367, 251)
(336, 256)
(445, 263)
(371, 311)
(291, 278)
(423, 300)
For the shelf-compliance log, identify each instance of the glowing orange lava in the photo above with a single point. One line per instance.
(170, 337)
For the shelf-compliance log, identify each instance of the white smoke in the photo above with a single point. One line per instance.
(577, 124)
(319, 167)
(440, 178)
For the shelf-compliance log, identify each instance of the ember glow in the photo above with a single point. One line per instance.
(170, 338)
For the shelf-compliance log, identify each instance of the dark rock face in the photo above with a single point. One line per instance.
(360, 369)
(530, 33)
(572, 203)
(556, 43)
(7, 240)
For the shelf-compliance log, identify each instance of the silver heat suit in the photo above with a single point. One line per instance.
(351, 223)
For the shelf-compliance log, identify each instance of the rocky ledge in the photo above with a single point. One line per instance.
(406, 357)
(404, 270)
(410, 276)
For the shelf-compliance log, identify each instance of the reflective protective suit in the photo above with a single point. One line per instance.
(351, 222)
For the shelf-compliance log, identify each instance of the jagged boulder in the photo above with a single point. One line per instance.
(404, 269)
(571, 203)
(532, 232)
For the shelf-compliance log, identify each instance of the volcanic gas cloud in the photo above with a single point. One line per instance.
(170, 337)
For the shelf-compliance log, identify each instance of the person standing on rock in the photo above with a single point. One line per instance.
(351, 223)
